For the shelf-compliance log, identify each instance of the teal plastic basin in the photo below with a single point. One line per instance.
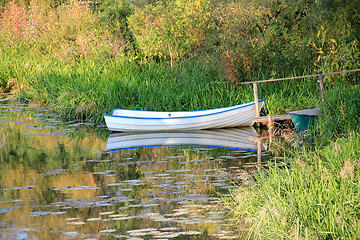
(304, 119)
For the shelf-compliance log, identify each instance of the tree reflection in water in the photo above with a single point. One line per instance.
(57, 182)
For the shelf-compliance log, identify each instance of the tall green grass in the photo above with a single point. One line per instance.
(285, 96)
(340, 111)
(90, 88)
(314, 192)
(315, 196)
(85, 58)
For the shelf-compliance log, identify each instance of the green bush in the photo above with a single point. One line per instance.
(171, 29)
(244, 38)
(237, 39)
(69, 32)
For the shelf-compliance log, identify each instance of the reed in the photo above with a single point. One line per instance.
(314, 196)
(312, 191)
(90, 88)
(57, 45)
(66, 56)
(341, 112)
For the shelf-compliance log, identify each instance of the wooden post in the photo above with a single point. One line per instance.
(321, 87)
(271, 127)
(256, 99)
(259, 153)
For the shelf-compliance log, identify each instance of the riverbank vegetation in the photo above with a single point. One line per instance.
(83, 58)
(312, 190)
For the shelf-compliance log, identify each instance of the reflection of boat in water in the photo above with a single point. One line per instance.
(234, 138)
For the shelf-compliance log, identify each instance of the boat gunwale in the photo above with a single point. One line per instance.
(226, 109)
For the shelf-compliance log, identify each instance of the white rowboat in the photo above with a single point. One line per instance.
(233, 138)
(137, 120)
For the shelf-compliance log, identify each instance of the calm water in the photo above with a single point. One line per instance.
(58, 182)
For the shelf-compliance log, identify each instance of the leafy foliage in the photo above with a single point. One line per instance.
(171, 29)
(243, 37)
(236, 40)
(68, 32)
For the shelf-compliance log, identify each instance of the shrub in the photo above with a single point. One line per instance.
(171, 29)
(68, 32)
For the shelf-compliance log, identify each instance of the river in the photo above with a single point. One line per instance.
(74, 180)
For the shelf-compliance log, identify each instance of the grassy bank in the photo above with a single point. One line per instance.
(82, 59)
(90, 88)
(85, 58)
(315, 196)
(311, 192)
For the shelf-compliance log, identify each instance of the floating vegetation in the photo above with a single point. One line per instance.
(168, 229)
(140, 193)
(76, 223)
(106, 213)
(71, 234)
(108, 231)
(93, 219)
(71, 219)
(122, 218)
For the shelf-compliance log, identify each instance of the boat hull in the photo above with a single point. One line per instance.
(132, 120)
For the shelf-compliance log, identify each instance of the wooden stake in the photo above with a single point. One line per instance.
(270, 128)
(321, 87)
(256, 99)
(259, 153)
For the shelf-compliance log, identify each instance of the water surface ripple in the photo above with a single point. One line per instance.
(58, 182)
